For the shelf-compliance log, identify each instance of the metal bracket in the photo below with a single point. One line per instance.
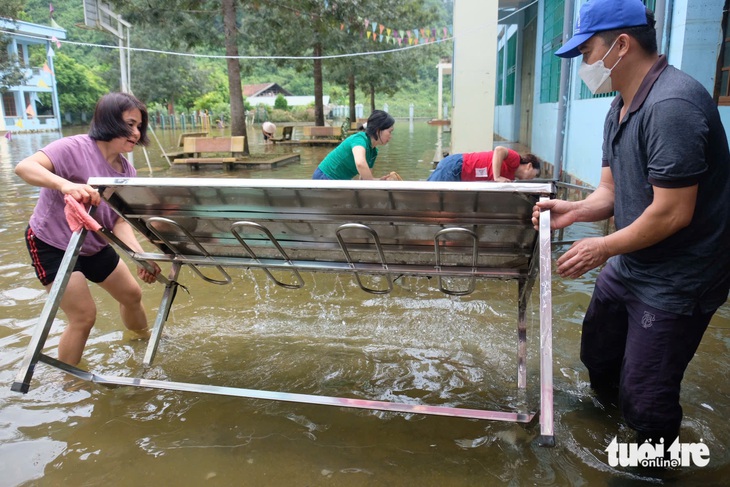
(378, 246)
(475, 257)
(226, 278)
(272, 239)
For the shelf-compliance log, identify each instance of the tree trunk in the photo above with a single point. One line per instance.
(372, 98)
(318, 96)
(238, 117)
(351, 90)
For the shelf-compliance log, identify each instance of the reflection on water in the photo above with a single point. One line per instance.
(416, 345)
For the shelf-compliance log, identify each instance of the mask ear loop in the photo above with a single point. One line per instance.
(609, 51)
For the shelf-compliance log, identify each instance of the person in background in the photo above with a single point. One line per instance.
(269, 131)
(501, 165)
(357, 153)
(665, 179)
(62, 168)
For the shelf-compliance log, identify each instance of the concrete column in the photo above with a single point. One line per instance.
(474, 75)
(440, 102)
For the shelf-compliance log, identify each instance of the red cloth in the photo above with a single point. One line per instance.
(477, 166)
(77, 217)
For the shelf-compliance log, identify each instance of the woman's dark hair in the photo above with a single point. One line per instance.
(377, 121)
(108, 124)
(531, 159)
(645, 35)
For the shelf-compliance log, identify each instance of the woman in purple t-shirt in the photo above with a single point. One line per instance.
(63, 167)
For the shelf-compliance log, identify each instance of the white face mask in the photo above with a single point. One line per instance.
(596, 76)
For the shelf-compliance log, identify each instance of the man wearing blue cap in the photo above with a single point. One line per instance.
(666, 181)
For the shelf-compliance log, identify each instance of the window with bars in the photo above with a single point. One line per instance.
(722, 76)
(551, 40)
(511, 69)
(500, 77)
(11, 110)
(506, 78)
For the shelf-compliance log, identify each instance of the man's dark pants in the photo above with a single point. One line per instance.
(638, 354)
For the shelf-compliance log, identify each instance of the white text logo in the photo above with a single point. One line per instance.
(648, 455)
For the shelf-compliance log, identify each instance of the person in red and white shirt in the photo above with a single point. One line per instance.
(501, 165)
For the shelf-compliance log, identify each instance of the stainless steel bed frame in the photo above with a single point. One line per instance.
(374, 230)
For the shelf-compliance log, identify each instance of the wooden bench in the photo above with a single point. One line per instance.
(312, 135)
(199, 146)
(313, 132)
(357, 124)
(286, 133)
(181, 143)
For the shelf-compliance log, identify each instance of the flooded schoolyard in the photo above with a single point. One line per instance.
(329, 338)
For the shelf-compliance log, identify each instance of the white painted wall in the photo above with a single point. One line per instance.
(474, 74)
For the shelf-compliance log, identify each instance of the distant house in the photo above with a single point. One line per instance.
(28, 107)
(264, 89)
(266, 93)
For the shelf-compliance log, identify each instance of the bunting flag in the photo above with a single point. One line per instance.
(47, 68)
(42, 84)
(19, 123)
(29, 110)
(379, 32)
(58, 43)
(50, 7)
(8, 135)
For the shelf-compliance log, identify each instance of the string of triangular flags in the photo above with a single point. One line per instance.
(378, 32)
(46, 77)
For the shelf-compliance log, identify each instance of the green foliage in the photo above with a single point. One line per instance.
(79, 88)
(278, 115)
(280, 103)
(167, 79)
(291, 28)
(11, 9)
(11, 73)
(338, 95)
(210, 100)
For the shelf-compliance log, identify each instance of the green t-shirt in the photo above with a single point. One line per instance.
(340, 163)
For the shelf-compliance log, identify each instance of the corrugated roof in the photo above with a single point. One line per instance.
(260, 88)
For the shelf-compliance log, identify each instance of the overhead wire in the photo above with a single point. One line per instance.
(250, 57)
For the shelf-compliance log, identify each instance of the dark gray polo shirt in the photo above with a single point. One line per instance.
(672, 137)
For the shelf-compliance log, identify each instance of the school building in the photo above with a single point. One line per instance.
(530, 79)
(33, 104)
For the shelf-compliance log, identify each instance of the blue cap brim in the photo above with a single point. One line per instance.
(570, 48)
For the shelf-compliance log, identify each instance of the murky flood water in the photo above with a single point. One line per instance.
(328, 338)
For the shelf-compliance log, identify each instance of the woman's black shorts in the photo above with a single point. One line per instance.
(47, 259)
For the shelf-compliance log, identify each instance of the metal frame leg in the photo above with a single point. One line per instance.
(522, 337)
(45, 320)
(167, 299)
(547, 437)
